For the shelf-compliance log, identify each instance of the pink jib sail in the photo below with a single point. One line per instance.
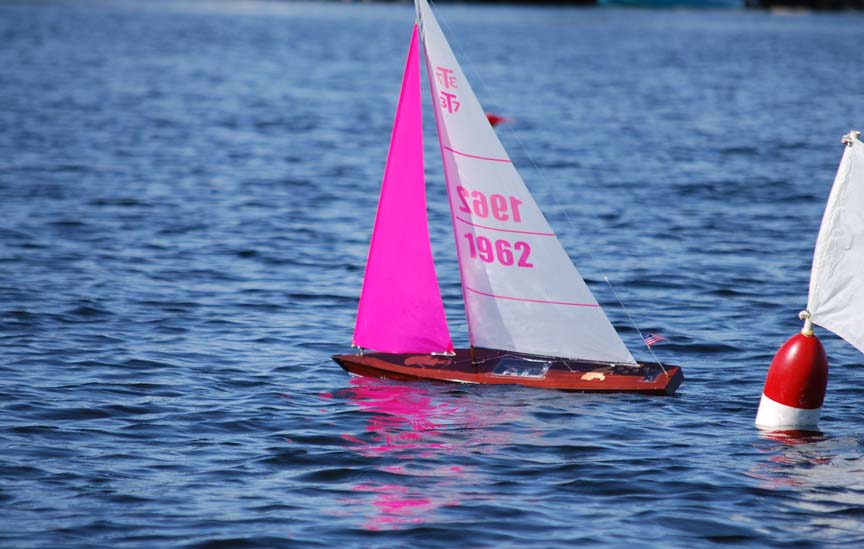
(400, 307)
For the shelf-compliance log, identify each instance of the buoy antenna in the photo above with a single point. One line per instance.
(807, 330)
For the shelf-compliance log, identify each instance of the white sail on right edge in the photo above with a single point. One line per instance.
(836, 298)
(522, 292)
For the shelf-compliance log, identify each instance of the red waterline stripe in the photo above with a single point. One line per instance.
(533, 300)
(503, 230)
(454, 151)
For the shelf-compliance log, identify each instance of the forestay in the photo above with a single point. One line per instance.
(522, 292)
(400, 308)
(836, 298)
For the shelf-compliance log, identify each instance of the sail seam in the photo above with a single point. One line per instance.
(496, 296)
(503, 230)
(489, 158)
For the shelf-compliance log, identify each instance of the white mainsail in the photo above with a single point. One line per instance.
(522, 292)
(836, 299)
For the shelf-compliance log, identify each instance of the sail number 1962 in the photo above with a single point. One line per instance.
(500, 250)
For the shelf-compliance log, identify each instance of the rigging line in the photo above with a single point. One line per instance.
(635, 327)
(463, 54)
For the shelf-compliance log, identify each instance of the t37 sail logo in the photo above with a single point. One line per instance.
(448, 99)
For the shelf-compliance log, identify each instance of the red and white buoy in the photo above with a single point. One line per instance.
(795, 386)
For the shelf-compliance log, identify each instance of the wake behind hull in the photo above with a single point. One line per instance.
(492, 367)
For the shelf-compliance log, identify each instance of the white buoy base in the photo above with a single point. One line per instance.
(773, 415)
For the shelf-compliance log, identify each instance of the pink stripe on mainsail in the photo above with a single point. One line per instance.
(454, 151)
(400, 308)
(502, 230)
(569, 303)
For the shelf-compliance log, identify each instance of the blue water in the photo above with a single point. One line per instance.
(186, 193)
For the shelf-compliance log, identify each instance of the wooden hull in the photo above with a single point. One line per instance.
(493, 367)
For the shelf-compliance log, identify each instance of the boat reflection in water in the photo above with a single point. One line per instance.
(421, 437)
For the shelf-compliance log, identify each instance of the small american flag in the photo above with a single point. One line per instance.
(651, 339)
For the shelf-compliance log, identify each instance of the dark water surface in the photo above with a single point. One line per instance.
(186, 193)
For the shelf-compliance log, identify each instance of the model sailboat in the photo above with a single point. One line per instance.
(531, 318)
(798, 376)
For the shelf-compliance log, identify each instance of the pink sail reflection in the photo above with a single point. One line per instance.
(411, 424)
